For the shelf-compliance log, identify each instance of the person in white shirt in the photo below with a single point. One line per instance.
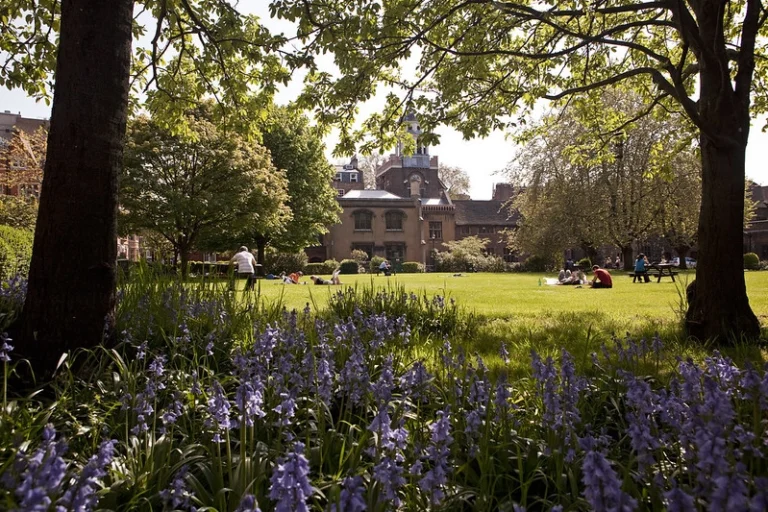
(335, 277)
(246, 266)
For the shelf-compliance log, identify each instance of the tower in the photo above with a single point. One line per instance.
(420, 157)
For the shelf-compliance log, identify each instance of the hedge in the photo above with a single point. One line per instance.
(15, 251)
(324, 268)
(412, 267)
(751, 261)
(348, 267)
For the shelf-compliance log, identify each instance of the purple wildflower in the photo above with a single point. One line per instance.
(434, 480)
(249, 400)
(602, 487)
(40, 475)
(414, 382)
(177, 495)
(82, 495)
(504, 353)
(141, 351)
(5, 348)
(248, 504)
(352, 496)
(218, 408)
(290, 486)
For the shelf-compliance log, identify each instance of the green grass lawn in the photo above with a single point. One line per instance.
(519, 295)
(515, 310)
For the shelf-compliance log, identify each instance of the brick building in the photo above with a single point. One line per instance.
(409, 214)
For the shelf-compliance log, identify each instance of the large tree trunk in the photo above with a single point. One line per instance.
(71, 294)
(184, 255)
(682, 253)
(627, 256)
(719, 308)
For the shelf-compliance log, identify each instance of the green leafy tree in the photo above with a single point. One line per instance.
(481, 65)
(87, 46)
(455, 179)
(185, 188)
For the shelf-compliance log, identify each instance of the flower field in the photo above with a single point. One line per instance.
(377, 402)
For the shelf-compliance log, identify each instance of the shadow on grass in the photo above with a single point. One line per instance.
(584, 334)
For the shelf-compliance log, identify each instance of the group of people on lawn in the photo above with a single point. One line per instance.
(246, 269)
(602, 278)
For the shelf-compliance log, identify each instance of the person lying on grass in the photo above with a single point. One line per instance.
(602, 278)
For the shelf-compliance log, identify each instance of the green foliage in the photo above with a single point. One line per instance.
(467, 255)
(412, 267)
(585, 263)
(325, 268)
(537, 264)
(276, 262)
(751, 261)
(197, 189)
(373, 267)
(18, 212)
(359, 256)
(349, 266)
(15, 251)
(297, 149)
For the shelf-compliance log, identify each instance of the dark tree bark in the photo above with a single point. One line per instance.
(184, 255)
(627, 256)
(720, 307)
(682, 253)
(71, 294)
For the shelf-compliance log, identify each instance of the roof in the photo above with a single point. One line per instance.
(369, 194)
(487, 213)
(433, 201)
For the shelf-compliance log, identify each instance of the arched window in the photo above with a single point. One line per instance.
(394, 221)
(363, 220)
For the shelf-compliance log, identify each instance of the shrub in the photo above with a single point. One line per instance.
(348, 267)
(327, 267)
(359, 256)
(276, 262)
(584, 263)
(375, 262)
(537, 264)
(412, 267)
(15, 251)
(751, 261)
(491, 264)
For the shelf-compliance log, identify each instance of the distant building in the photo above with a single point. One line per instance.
(756, 232)
(409, 213)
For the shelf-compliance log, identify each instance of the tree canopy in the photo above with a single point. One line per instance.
(455, 179)
(189, 188)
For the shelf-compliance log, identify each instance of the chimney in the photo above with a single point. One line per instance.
(503, 192)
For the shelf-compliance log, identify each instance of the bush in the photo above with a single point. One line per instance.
(359, 256)
(348, 267)
(412, 267)
(276, 262)
(751, 261)
(374, 265)
(15, 251)
(491, 264)
(537, 264)
(584, 263)
(327, 267)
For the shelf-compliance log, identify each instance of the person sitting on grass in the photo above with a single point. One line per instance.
(602, 278)
(335, 276)
(295, 276)
(319, 280)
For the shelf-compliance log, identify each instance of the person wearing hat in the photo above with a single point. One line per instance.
(246, 265)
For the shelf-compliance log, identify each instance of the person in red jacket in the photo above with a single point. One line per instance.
(602, 278)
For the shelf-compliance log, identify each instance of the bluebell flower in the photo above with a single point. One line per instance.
(290, 487)
(248, 504)
(5, 348)
(436, 478)
(415, 382)
(354, 376)
(602, 487)
(40, 475)
(352, 497)
(178, 496)
(382, 388)
(141, 352)
(286, 409)
(504, 353)
(218, 408)
(730, 493)
(249, 400)
(81, 496)
(174, 410)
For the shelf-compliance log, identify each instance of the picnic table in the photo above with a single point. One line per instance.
(662, 270)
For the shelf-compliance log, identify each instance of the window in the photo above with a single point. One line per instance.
(337, 177)
(394, 221)
(395, 252)
(485, 229)
(490, 251)
(340, 192)
(436, 230)
(464, 230)
(353, 177)
(363, 221)
(509, 255)
(366, 248)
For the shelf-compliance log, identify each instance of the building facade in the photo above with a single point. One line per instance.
(409, 214)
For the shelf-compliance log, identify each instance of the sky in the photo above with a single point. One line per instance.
(482, 159)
